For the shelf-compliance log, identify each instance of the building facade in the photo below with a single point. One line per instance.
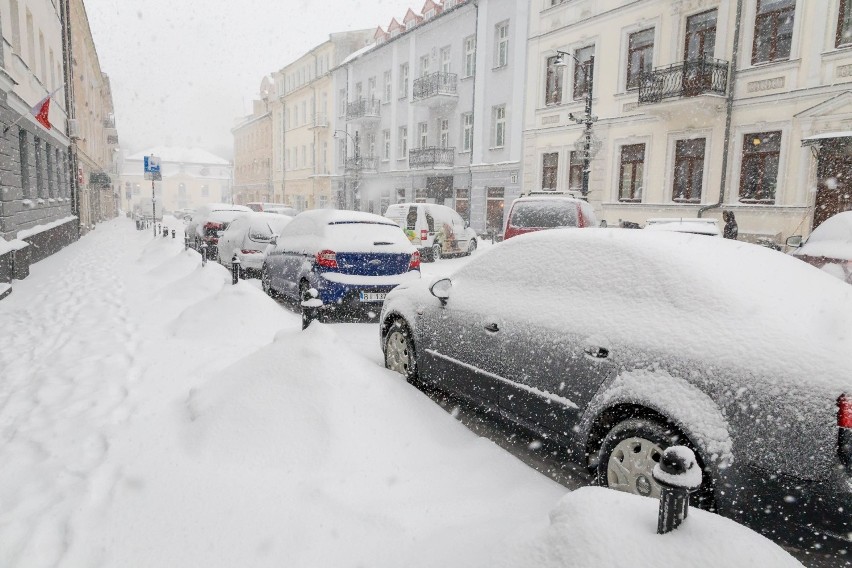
(701, 105)
(253, 151)
(302, 136)
(191, 177)
(94, 133)
(433, 112)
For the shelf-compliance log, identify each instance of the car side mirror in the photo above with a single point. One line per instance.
(441, 289)
(273, 240)
(795, 241)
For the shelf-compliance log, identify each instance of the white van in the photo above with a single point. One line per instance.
(436, 230)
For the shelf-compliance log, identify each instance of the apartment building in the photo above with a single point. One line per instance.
(94, 134)
(744, 104)
(253, 151)
(302, 136)
(432, 111)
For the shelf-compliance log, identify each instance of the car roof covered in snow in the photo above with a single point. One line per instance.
(329, 216)
(833, 238)
(685, 225)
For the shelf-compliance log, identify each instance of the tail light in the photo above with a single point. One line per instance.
(844, 411)
(211, 228)
(250, 251)
(414, 264)
(424, 235)
(327, 259)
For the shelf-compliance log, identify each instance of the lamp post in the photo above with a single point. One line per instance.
(587, 119)
(357, 158)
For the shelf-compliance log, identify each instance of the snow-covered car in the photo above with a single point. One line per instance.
(288, 211)
(829, 247)
(279, 208)
(633, 340)
(208, 222)
(436, 230)
(695, 226)
(352, 259)
(548, 210)
(247, 237)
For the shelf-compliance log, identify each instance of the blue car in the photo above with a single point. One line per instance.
(352, 259)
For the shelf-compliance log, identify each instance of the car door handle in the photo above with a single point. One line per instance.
(597, 352)
(492, 327)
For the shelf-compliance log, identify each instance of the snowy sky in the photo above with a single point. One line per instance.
(183, 71)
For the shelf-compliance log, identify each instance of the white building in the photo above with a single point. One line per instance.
(435, 108)
(742, 103)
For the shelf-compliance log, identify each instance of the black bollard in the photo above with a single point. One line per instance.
(203, 254)
(311, 305)
(165, 231)
(678, 475)
(173, 233)
(235, 269)
(186, 242)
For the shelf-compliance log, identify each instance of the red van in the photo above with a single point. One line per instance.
(540, 211)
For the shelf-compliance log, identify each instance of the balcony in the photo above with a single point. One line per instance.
(361, 164)
(109, 122)
(364, 110)
(436, 89)
(684, 80)
(432, 157)
(112, 140)
(320, 121)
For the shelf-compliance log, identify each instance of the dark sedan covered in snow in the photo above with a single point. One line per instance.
(618, 344)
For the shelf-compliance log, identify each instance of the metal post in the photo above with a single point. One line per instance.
(235, 269)
(173, 233)
(590, 72)
(311, 305)
(185, 242)
(203, 254)
(153, 205)
(678, 474)
(357, 185)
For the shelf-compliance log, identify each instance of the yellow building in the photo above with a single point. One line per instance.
(253, 152)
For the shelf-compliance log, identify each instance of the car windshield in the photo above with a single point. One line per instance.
(543, 214)
(337, 284)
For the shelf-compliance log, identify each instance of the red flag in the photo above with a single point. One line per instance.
(42, 110)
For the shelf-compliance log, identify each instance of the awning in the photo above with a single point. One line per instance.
(818, 138)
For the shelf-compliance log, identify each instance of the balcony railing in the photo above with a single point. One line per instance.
(432, 157)
(363, 163)
(112, 140)
(684, 79)
(363, 108)
(435, 84)
(320, 120)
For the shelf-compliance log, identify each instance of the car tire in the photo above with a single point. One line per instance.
(436, 252)
(632, 448)
(398, 351)
(471, 247)
(266, 282)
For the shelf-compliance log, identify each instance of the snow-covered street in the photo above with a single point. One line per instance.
(152, 414)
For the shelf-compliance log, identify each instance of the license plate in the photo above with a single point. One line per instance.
(373, 296)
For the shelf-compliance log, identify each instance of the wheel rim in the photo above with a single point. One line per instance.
(398, 356)
(631, 464)
(471, 247)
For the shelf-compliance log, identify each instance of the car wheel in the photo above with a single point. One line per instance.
(631, 450)
(266, 282)
(471, 247)
(399, 351)
(436, 252)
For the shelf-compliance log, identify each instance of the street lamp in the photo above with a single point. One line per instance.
(588, 119)
(357, 161)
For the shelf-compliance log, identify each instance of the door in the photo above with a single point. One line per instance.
(834, 179)
(699, 48)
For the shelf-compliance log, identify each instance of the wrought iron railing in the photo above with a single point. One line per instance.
(438, 83)
(363, 163)
(431, 157)
(684, 79)
(364, 108)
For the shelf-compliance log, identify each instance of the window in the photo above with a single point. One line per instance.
(16, 27)
(23, 148)
(640, 56)
(30, 39)
(424, 65)
(403, 80)
(469, 56)
(287, 159)
(403, 142)
(759, 175)
(549, 167)
(501, 54)
(38, 163)
(773, 30)
(553, 84)
(388, 86)
(423, 134)
(688, 170)
(632, 170)
(467, 131)
(445, 59)
(324, 158)
(575, 172)
(371, 88)
(51, 189)
(844, 24)
(359, 90)
(386, 144)
(444, 129)
(42, 56)
(499, 114)
(371, 145)
(205, 190)
(342, 98)
(581, 81)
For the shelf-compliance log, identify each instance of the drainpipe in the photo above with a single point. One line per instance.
(284, 161)
(729, 108)
(473, 121)
(65, 15)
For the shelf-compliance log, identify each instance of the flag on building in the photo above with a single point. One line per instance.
(41, 111)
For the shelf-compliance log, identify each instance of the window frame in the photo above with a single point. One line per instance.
(575, 168)
(775, 15)
(467, 131)
(549, 171)
(498, 114)
(501, 44)
(469, 56)
(632, 78)
(636, 187)
(402, 143)
(843, 6)
(748, 155)
(423, 134)
(580, 85)
(554, 81)
(691, 161)
(403, 80)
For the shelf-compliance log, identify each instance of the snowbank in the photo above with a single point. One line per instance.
(46, 227)
(601, 528)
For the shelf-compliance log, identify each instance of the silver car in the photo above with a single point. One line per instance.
(618, 344)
